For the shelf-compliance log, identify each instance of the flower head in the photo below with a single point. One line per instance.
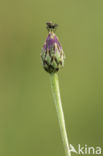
(52, 53)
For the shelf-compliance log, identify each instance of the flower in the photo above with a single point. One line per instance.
(52, 53)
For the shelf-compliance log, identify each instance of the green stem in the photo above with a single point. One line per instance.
(59, 109)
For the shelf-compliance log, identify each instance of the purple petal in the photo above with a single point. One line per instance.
(51, 41)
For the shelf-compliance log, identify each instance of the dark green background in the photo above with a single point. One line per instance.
(28, 121)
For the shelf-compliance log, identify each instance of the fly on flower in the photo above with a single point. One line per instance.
(51, 26)
(52, 53)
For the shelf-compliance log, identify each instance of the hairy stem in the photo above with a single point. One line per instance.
(59, 109)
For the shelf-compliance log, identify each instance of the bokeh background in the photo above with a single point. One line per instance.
(28, 120)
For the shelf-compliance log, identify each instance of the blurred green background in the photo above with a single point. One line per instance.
(28, 120)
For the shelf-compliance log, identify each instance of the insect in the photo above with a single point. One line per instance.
(51, 26)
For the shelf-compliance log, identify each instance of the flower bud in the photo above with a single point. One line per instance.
(52, 53)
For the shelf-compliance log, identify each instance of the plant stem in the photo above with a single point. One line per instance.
(60, 114)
